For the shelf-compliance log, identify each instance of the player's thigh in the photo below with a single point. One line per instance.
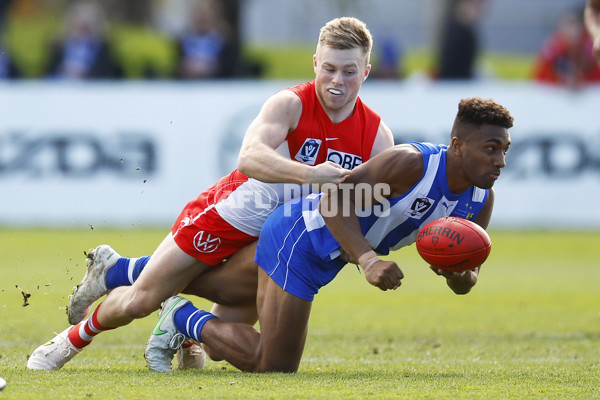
(233, 282)
(283, 322)
(168, 271)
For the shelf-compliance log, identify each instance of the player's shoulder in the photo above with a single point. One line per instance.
(283, 105)
(409, 157)
(426, 148)
(401, 166)
(401, 159)
(285, 99)
(406, 152)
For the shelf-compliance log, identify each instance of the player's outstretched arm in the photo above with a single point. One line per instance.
(394, 170)
(338, 210)
(591, 17)
(259, 158)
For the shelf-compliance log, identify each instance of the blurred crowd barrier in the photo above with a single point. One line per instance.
(122, 154)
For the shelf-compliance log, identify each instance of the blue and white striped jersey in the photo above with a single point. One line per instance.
(428, 199)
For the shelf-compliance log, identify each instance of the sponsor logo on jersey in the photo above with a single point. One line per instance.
(205, 242)
(346, 160)
(308, 151)
(465, 211)
(419, 207)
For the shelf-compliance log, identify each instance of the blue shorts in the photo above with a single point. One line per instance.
(288, 256)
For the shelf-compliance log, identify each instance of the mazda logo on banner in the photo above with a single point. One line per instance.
(76, 155)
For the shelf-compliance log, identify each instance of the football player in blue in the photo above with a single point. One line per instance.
(380, 207)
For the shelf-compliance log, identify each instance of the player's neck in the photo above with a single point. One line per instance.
(339, 115)
(457, 181)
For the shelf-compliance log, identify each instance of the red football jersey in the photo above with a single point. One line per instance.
(317, 139)
(230, 214)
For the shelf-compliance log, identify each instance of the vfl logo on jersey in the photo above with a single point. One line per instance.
(308, 151)
(346, 160)
(419, 207)
(206, 243)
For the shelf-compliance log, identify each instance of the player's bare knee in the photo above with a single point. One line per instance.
(276, 367)
(281, 363)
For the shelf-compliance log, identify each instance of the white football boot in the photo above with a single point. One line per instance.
(54, 354)
(93, 285)
(165, 339)
(191, 357)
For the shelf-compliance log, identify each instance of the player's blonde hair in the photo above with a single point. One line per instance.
(346, 33)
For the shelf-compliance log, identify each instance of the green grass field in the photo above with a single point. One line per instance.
(530, 329)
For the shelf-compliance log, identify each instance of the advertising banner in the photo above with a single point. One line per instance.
(132, 154)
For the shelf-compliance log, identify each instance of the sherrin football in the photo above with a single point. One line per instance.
(453, 244)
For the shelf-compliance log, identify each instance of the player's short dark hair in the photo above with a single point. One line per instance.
(478, 111)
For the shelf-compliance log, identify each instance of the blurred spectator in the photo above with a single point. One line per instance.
(388, 61)
(8, 69)
(83, 52)
(566, 57)
(135, 12)
(205, 49)
(459, 46)
(4, 7)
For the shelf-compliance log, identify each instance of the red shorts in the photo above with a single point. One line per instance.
(201, 233)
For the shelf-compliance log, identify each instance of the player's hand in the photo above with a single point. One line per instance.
(328, 172)
(384, 274)
(459, 282)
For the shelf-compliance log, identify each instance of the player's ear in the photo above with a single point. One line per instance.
(456, 145)
(315, 63)
(367, 71)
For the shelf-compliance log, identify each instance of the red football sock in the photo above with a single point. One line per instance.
(82, 334)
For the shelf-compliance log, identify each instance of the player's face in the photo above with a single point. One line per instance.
(339, 75)
(484, 155)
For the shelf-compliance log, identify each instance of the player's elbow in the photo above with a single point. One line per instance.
(245, 164)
